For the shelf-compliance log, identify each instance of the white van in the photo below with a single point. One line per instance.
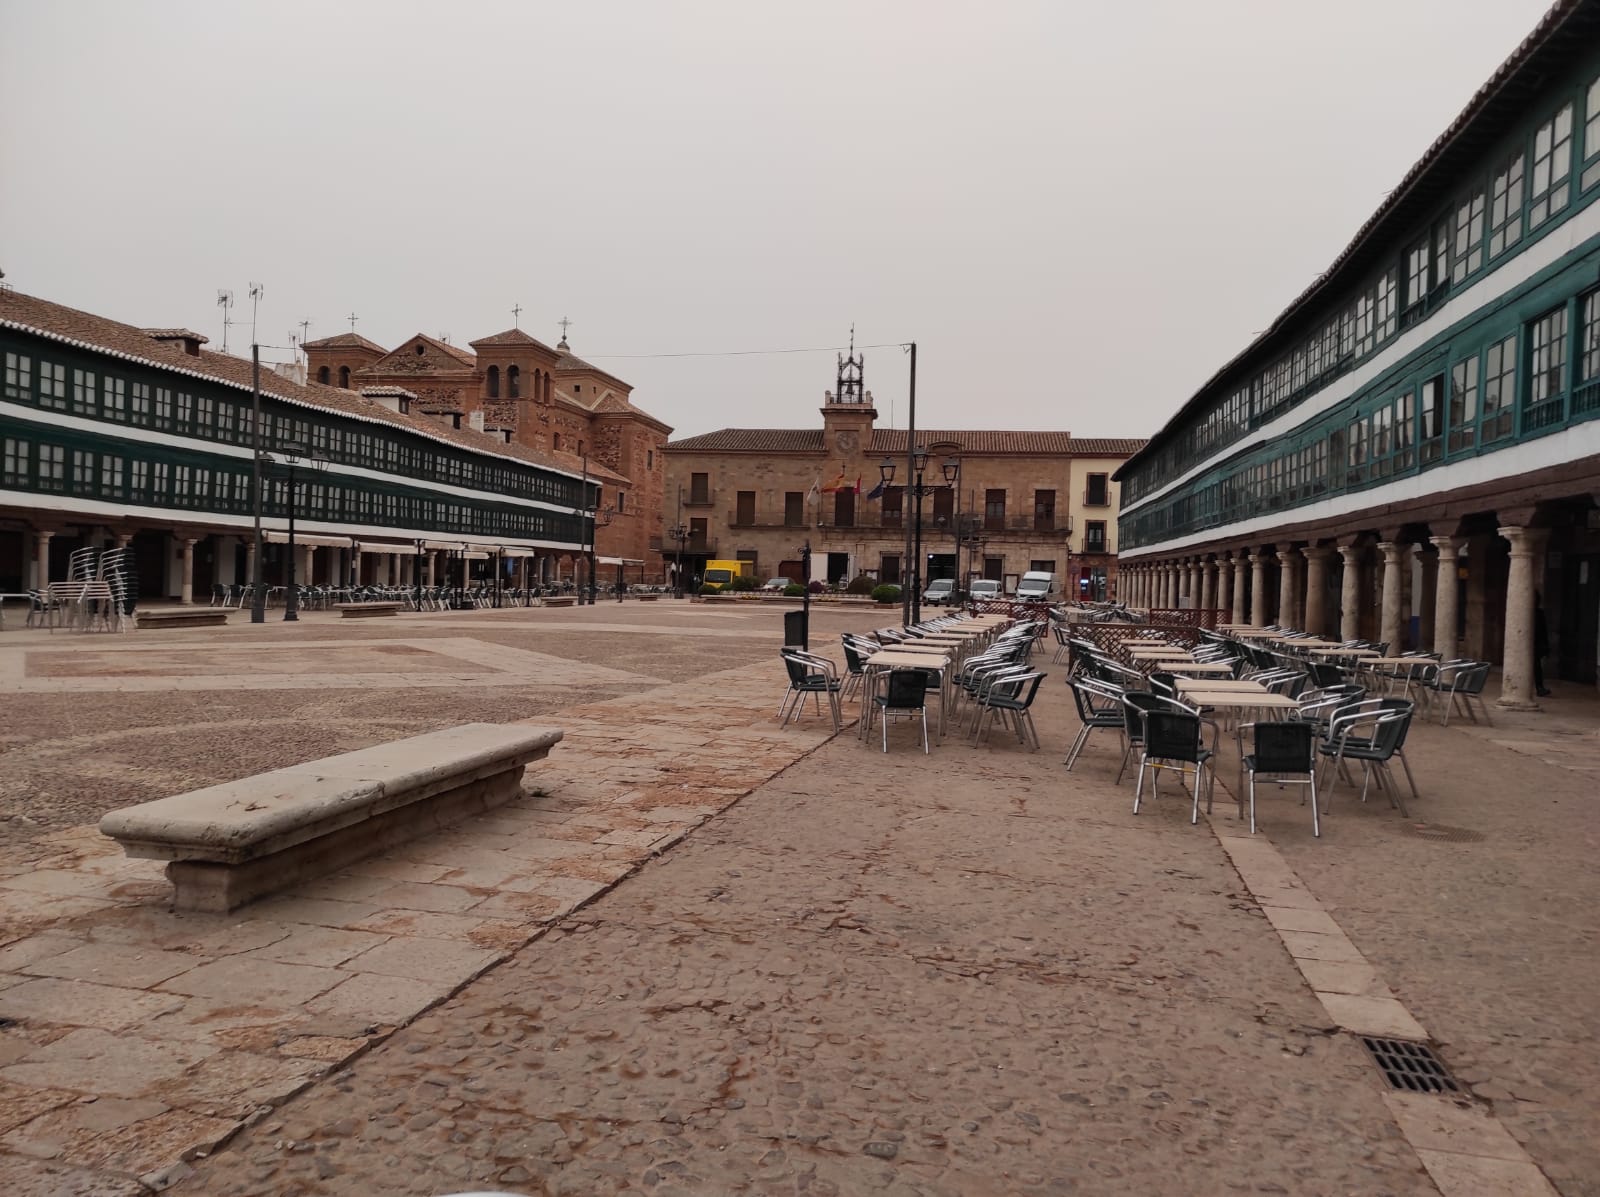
(983, 588)
(1036, 586)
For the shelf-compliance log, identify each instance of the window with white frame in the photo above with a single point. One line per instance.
(1589, 337)
(19, 376)
(1505, 205)
(1547, 356)
(1499, 388)
(83, 391)
(1552, 165)
(1591, 137)
(113, 398)
(1466, 248)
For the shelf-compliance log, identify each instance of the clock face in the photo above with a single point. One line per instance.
(847, 441)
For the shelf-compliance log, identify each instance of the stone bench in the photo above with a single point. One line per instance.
(232, 843)
(364, 610)
(647, 598)
(182, 617)
(565, 600)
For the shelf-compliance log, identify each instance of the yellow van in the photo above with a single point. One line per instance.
(720, 574)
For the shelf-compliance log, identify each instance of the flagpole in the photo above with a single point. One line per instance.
(913, 570)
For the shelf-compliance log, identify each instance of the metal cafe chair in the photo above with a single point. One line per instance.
(1287, 752)
(1099, 705)
(1012, 699)
(1173, 740)
(1373, 733)
(811, 675)
(906, 695)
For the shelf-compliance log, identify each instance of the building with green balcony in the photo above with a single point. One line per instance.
(112, 435)
(1411, 452)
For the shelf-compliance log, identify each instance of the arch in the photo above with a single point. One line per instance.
(323, 375)
(491, 382)
(513, 382)
(344, 377)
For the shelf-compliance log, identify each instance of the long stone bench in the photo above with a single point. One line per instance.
(364, 610)
(565, 600)
(232, 843)
(182, 617)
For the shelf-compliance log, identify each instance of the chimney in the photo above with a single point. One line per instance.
(475, 421)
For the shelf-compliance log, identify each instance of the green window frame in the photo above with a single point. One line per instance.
(1591, 137)
(1466, 246)
(1499, 390)
(1430, 419)
(19, 376)
(1505, 207)
(14, 462)
(111, 476)
(53, 385)
(1552, 167)
(83, 385)
(1465, 390)
(141, 403)
(52, 472)
(163, 416)
(113, 397)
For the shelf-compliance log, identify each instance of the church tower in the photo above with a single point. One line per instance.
(847, 411)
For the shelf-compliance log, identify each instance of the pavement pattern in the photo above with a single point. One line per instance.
(964, 973)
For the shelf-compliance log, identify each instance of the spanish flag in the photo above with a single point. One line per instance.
(838, 484)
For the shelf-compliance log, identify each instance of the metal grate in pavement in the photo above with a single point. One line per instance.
(1410, 1066)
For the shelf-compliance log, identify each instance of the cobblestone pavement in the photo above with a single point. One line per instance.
(964, 973)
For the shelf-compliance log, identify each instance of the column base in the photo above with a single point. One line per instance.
(1517, 704)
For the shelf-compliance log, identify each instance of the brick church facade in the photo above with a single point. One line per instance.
(546, 399)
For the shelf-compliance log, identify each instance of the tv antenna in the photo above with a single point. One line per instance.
(257, 290)
(225, 302)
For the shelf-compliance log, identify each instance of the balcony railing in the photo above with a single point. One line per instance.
(700, 498)
(763, 520)
(1093, 546)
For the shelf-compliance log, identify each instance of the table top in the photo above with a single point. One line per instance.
(1201, 667)
(1214, 686)
(1344, 652)
(1168, 654)
(1240, 702)
(890, 659)
(1399, 661)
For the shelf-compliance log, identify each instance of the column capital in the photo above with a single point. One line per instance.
(1317, 552)
(1524, 541)
(1260, 557)
(191, 541)
(1351, 553)
(1447, 544)
(1391, 550)
(1288, 556)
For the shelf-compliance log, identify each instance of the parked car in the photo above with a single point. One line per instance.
(984, 588)
(940, 590)
(1037, 585)
(778, 584)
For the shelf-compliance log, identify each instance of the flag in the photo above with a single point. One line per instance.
(858, 484)
(815, 485)
(876, 492)
(838, 484)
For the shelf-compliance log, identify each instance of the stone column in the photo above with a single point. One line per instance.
(1224, 586)
(1288, 615)
(1427, 600)
(1258, 589)
(250, 562)
(41, 560)
(1317, 588)
(1171, 599)
(1208, 584)
(124, 539)
(1241, 587)
(1446, 616)
(433, 559)
(1391, 630)
(1350, 593)
(186, 593)
(1516, 671)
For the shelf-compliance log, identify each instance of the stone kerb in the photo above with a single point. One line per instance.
(229, 844)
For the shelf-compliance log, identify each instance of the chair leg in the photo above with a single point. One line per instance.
(1194, 810)
(1406, 765)
(1138, 790)
(1252, 802)
(1316, 822)
(1077, 746)
(924, 713)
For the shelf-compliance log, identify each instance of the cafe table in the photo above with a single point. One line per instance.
(880, 663)
(1201, 669)
(1215, 686)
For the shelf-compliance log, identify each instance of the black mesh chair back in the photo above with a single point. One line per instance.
(1284, 747)
(908, 690)
(1172, 736)
(1164, 684)
(797, 670)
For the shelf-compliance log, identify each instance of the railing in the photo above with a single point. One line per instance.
(706, 498)
(1545, 414)
(1586, 399)
(735, 520)
(1093, 546)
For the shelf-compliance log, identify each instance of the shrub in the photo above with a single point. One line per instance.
(744, 582)
(816, 587)
(794, 590)
(886, 593)
(860, 584)
(710, 588)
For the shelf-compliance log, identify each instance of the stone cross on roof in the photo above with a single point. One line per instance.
(352, 317)
(516, 315)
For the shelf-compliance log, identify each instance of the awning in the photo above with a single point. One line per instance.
(300, 538)
(368, 545)
(618, 561)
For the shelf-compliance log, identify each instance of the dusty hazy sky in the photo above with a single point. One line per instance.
(1078, 210)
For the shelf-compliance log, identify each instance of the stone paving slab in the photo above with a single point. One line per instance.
(228, 1016)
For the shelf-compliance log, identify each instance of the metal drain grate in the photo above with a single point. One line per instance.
(1440, 834)
(1410, 1066)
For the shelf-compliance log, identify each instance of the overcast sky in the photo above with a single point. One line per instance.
(1078, 210)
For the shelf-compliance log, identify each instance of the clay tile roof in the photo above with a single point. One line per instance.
(56, 322)
(349, 340)
(1113, 446)
(175, 334)
(571, 363)
(753, 440)
(893, 440)
(461, 355)
(512, 336)
(388, 392)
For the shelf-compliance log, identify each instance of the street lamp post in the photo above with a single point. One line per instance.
(597, 519)
(951, 470)
(294, 455)
(679, 534)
